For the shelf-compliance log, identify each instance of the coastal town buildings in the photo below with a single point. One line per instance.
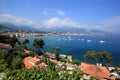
(30, 62)
(26, 34)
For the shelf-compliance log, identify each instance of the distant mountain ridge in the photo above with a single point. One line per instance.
(74, 30)
(56, 29)
(15, 27)
(4, 28)
(66, 29)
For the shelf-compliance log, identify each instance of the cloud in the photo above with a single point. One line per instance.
(19, 21)
(48, 23)
(51, 12)
(45, 13)
(60, 12)
(111, 24)
(61, 22)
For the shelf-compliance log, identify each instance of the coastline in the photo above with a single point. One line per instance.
(77, 48)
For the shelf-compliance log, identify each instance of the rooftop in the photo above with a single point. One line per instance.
(98, 72)
(29, 62)
(4, 46)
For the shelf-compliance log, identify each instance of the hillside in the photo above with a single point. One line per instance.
(4, 28)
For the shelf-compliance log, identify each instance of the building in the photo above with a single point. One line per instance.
(50, 55)
(96, 71)
(5, 46)
(30, 62)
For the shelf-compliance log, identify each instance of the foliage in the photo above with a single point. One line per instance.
(3, 65)
(3, 54)
(16, 62)
(99, 57)
(20, 47)
(76, 62)
(38, 43)
(12, 41)
(56, 49)
(57, 56)
(117, 69)
(26, 41)
(42, 74)
(91, 55)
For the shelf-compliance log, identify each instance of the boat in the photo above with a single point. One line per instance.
(101, 41)
(69, 38)
(89, 40)
(83, 39)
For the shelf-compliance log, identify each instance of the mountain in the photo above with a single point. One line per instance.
(74, 30)
(4, 28)
(16, 27)
(65, 29)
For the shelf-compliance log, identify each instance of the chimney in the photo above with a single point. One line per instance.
(100, 64)
(97, 64)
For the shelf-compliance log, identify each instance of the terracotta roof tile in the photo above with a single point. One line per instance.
(99, 72)
(34, 60)
(29, 60)
(4, 46)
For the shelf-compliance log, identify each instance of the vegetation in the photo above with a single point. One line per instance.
(16, 62)
(56, 49)
(42, 74)
(26, 41)
(38, 43)
(99, 57)
(3, 65)
(3, 54)
(76, 62)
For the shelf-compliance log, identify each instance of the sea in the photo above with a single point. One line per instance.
(77, 46)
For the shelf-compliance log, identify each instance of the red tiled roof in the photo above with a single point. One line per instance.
(4, 46)
(26, 63)
(99, 72)
(33, 60)
(29, 65)
(41, 64)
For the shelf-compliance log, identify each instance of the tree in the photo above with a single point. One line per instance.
(56, 49)
(91, 55)
(38, 43)
(57, 56)
(99, 57)
(26, 41)
(3, 65)
(3, 54)
(40, 74)
(16, 62)
(12, 41)
(105, 58)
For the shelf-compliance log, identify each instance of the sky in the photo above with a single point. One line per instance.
(88, 14)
